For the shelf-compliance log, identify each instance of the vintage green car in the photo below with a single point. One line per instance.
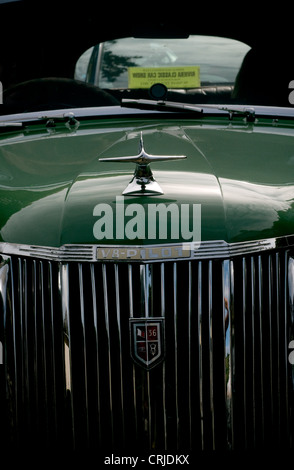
(146, 237)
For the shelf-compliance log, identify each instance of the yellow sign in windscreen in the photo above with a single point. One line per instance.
(171, 77)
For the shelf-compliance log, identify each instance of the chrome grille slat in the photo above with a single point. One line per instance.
(14, 365)
(200, 363)
(84, 378)
(244, 301)
(23, 333)
(260, 310)
(228, 290)
(63, 283)
(162, 285)
(288, 322)
(134, 389)
(108, 339)
(271, 338)
(130, 290)
(118, 315)
(253, 347)
(36, 339)
(44, 346)
(291, 325)
(214, 389)
(278, 358)
(210, 320)
(175, 313)
(53, 348)
(96, 349)
(190, 347)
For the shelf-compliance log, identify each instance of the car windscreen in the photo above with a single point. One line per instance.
(177, 63)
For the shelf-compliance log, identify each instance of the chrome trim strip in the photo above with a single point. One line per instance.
(107, 326)
(4, 272)
(190, 335)
(252, 286)
(271, 340)
(286, 337)
(63, 282)
(42, 332)
(289, 331)
(131, 310)
(216, 249)
(54, 342)
(175, 313)
(22, 285)
(130, 272)
(84, 352)
(95, 324)
(146, 297)
(228, 295)
(200, 352)
(117, 296)
(260, 311)
(277, 325)
(146, 275)
(211, 362)
(266, 111)
(149, 404)
(233, 348)
(162, 277)
(14, 340)
(244, 322)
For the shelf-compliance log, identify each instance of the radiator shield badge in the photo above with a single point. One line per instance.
(147, 345)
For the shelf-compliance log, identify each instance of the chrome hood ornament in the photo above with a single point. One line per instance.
(143, 182)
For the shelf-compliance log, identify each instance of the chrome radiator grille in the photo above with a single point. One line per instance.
(225, 382)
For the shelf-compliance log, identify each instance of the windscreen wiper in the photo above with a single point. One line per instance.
(159, 105)
(248, 112)
(158, 93)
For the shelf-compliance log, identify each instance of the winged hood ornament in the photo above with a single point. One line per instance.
(143, 182)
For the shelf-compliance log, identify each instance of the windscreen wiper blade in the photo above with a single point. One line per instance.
(159, 105)
(247, 111)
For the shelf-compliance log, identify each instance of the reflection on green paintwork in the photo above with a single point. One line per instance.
(241, 174)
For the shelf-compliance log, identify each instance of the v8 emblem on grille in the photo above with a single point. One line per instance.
(147, 346)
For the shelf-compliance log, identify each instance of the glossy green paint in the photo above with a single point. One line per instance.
(241, 174)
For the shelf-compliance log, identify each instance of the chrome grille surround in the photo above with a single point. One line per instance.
(68, 378)
(203, 250)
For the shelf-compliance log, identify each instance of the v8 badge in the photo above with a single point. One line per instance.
(147, 344)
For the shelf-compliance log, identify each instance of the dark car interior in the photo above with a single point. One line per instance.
(40, 47)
